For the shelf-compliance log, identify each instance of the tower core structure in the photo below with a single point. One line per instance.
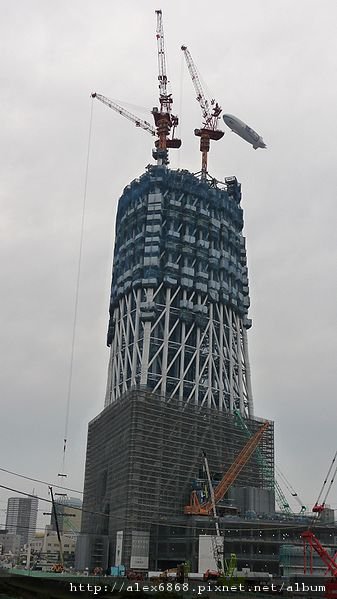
(179, 296)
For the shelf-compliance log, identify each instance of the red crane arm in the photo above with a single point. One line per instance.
(131, 117)
(309, 537)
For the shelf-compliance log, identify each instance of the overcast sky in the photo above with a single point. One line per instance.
(274, 65)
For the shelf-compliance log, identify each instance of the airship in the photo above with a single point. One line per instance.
(240, 128)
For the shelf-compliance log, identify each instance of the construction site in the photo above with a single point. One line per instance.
(179, 469)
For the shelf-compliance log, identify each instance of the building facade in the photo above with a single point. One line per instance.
(22, 516)
(178, 376)
(69, 515)
(179, 297)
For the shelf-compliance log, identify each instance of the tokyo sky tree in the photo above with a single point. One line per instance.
(179, 296)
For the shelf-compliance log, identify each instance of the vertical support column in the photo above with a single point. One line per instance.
(119, 356)
(231, 365)
(197, 360)
(135, 340)
(108, 385)
(210, 356)
(248, 374)
(166, 340)
(113, 356)
(146, 344)
(127, 338)
(182, 354)
(239, 362)
(221, 359)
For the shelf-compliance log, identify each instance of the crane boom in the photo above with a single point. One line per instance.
(197, 85)
(239, 463)
(163, 117)
(209, 129)
(310, 539)
(204, 509)
(128, 115)
(319, 507)
(162, 76)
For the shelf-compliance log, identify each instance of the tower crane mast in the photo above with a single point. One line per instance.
(210, 114)
(165, 121)
(163, 117)
(162, 77)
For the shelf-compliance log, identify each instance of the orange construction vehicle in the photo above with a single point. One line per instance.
(205, 508)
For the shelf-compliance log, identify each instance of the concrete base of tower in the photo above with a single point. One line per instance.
(144, 457)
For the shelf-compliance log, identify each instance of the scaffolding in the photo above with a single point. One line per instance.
(144, 452)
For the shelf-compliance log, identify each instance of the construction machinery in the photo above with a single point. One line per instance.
(269, 475)
(211, 112)
(224, 570)
(163, 117)
(321, 504)
(165, 121)
(58, 568)
(217, 542)
(205, 508)
(128, 115)
(311, 541)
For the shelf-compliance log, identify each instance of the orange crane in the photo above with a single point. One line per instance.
(210, 114)
(165, 121)
(205, 509)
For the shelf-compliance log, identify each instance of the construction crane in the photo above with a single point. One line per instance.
(309, 539)
(320, 504)
(210, 113)
(205, 508)
(225, 570)
(163, 117)
(128, 115)
(294, 494)
(165, 121)
(269, 475)
(217, 542)
(60, 566)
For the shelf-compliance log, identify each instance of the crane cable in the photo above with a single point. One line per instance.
(332, 479)
(70, 376)
(326, 480)
(289, 486)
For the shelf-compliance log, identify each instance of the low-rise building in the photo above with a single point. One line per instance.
(9, 543)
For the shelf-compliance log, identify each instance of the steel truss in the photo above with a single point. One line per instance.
(179, 299)
(204, 364)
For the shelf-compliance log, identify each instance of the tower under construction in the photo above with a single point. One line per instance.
(178, 376)
(179, 298)
(179, 385)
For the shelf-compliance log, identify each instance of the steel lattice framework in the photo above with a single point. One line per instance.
(179, 299)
